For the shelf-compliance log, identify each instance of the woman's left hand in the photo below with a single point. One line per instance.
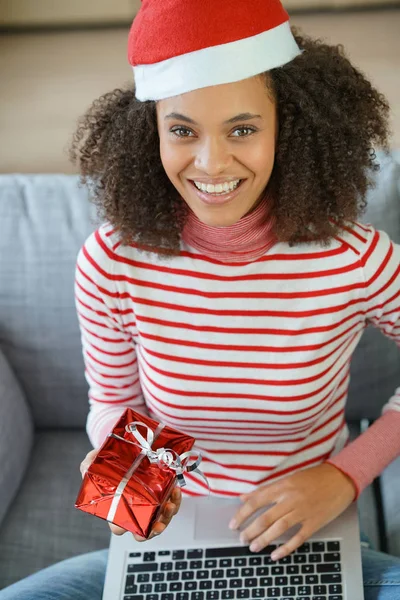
(313, 498)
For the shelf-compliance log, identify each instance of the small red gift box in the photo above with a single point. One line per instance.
(132, 476)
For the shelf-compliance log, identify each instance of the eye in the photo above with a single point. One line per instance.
(181, 132)
(244, 131)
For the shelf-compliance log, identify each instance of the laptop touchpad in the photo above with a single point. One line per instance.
(212, 519)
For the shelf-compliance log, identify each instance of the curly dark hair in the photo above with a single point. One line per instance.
(330, 120)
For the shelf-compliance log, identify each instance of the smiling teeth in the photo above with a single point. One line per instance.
(220, 188)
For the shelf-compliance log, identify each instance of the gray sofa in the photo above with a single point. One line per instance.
(44, 219)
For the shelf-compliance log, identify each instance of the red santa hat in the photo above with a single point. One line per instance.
(176, 46)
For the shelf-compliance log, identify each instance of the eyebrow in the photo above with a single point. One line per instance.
(241, 117)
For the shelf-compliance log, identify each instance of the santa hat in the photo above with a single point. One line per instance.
(176, 46)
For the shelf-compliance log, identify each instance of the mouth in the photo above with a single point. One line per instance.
(218, 189)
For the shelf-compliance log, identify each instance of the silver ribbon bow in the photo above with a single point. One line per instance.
(166, 458)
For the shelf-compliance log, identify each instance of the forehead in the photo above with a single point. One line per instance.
(221, 102)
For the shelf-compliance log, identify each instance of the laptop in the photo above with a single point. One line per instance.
(199, 558)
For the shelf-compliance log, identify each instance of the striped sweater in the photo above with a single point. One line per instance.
(250, 358)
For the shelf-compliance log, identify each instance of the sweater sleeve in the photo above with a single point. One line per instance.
(108, 348)
(366, 457)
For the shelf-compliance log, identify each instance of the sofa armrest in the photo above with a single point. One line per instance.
(16, 435)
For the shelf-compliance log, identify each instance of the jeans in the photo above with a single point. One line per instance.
(82, 578)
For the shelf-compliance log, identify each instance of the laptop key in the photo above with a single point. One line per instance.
(225, 562)
(286, 560)
(217, 573)
(251, 582)
(247, 572)
(339, 597)
(329, 568)
(255, 561)
(149, 557)
(130, 587)
(167, 566)
(296, 580)
(266, 581)
(333, 546)
(164, 552)
(190, 586)
(175, 586)
(305, 590)
(235, 573)
(181, 565)
(227, 595)
(258, 593)
(187, 575)
(307, 568)
(281, 580)
(144, 577)
(167, 597)
(145, 588)
(135, 597)
(315, 558)
(210, 564)
(277, 570)
(319, 590)
(331, 578)
(335, 589)
(197, 596)
(196, 564)
(311, 579)
(182, 596)
(274, 592)
(243, 594)
(202, 574)
(152, 597)
(236, 583)
(332, 557)
(178, 555)
(214, 595)
(160, 587)
(143, 567)
(156, 576)
(304, 548)
(198, 553)
(299, 558)
(134, 554)
(289, 591)
(172, 576)
(240, 562)
(206, 585)
(293, 570)
(220, 584)
(318, 546)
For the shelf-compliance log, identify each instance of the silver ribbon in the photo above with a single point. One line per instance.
(166, 458)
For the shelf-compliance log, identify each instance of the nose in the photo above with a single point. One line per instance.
(212, 157)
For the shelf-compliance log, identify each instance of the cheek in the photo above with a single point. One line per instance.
(173, 159)
(260, 158)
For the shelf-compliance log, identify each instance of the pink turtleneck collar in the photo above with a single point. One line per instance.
(245, 241)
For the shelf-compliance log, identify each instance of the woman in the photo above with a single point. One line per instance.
(231, 282)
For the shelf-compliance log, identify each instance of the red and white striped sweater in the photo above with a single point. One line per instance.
(251, 358)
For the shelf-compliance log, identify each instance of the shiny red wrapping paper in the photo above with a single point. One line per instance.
(146, 491)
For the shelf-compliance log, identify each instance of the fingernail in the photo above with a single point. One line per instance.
(233, 524)
(254, 547)
(276, 555)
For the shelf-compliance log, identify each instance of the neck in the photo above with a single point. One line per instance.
(245, 241)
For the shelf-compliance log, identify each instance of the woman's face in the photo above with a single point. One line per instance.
(220, 139)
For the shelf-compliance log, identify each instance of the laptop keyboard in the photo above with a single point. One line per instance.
(312, 572)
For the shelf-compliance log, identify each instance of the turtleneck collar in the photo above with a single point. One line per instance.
(245, 241)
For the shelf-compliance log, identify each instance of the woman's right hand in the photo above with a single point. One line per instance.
(171, 508)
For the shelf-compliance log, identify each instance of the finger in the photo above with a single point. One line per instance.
(87, 461)
(255, 501)
(276, 530)
(295, 542)
(116, 530)
(264, 522)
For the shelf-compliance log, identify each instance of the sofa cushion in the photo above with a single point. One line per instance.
(42, 525)
(45, 219)
(375, 367)
(16, 435)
